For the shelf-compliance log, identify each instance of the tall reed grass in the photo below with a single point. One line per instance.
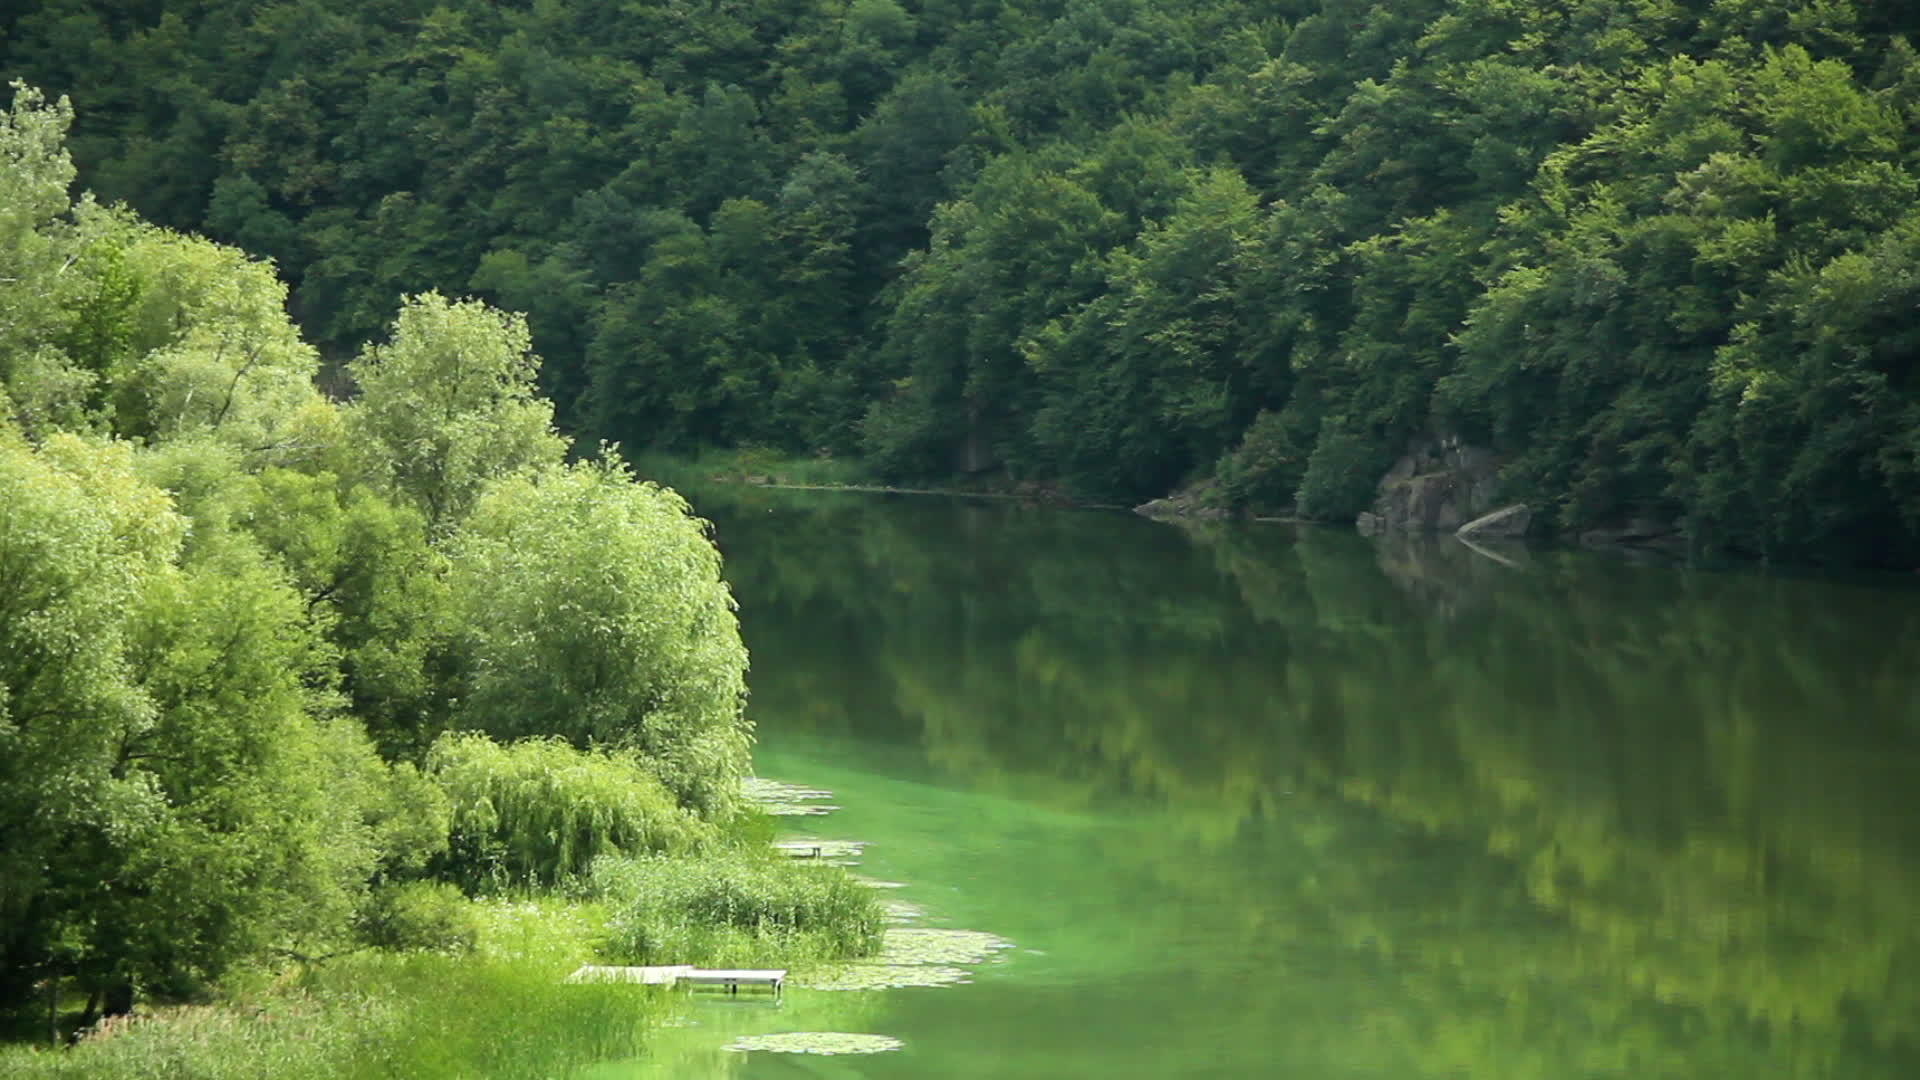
(738, 907)
(501, 1012)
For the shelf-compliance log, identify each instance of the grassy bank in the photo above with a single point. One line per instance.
(499, 1009)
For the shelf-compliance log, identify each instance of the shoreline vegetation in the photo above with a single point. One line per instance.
(333, 734)
(776, 471)
(489, 996)
(779, 471)
(497, 1006)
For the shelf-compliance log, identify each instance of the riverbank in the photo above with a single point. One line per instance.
(485, 993)
(759, 467)
(498, 1010)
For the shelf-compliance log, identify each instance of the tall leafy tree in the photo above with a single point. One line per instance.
(449, 404)
(591, 607)
(82, 541)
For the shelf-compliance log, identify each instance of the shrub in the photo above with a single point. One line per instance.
(538, 812)
(1265, 470)
(1342, 473)
(418, 915)
(592, 607)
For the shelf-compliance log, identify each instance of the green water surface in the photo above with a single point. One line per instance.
(1276, 802)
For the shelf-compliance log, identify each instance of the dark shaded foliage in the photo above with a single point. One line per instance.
(1650, 252)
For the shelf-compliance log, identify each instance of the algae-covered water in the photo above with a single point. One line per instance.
(1272, 802)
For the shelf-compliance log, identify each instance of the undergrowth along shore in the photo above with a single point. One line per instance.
(498, 1010)
(752, 465)
(476, 986)
(489, 999)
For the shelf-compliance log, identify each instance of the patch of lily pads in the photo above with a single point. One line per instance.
(912, 957)
(900, 911)
(904, 945)
(817, 1042)
(786, 800)
(883, 977)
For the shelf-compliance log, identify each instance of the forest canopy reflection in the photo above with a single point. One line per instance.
(1589, 815)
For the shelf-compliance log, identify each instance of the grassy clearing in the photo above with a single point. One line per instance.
(500, 1011)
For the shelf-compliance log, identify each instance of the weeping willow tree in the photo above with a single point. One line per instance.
(591, 607)
(537, 812)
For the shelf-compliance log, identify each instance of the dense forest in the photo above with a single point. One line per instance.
(1657, 255)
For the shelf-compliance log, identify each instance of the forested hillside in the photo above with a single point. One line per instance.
(1661, 256)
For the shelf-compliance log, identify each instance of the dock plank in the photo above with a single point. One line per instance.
(658, 975)
(731, 979)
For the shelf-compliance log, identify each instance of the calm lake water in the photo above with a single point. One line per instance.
(1260, 801)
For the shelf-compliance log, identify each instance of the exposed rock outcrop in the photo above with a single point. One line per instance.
(1180, 506)
(1437, 486)
(1198, 502)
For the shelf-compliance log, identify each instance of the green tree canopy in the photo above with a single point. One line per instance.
(448, 405)
(591, 607)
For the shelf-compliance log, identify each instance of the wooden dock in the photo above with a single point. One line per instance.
(820, 849)
(733, 980)
(730, 980)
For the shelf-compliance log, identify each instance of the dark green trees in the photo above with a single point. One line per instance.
(1589, 234)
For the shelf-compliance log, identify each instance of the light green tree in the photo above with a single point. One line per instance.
(366, 563)
(258, 844)
(42, 387)
(81, 539)
(448, 405)
(175, 795)
(205, 345)
(591, 607)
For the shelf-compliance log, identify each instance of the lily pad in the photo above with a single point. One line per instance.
(817, 1042)
(903, 945)
(882, 977)
(759, 788)
(799, 809)
(911, 957)
(786, 800)
(899, 911)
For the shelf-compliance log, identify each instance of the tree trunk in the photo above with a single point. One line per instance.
(119, 998)
(92, 1013)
